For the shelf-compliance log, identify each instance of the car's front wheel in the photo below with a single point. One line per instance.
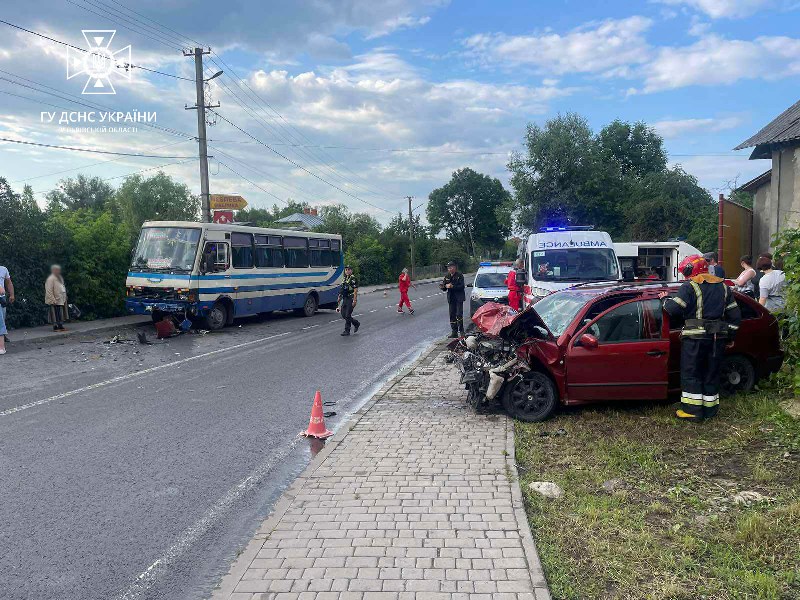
(737, 375)
(532, 398)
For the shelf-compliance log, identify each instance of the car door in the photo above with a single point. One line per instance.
(623, 357)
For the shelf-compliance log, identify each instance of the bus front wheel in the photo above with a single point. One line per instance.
(217, 316)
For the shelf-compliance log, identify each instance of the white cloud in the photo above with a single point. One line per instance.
(717, 61)
(674, 128)
(717, 9)
(593, 48)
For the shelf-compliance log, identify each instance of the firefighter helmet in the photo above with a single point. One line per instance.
(693, 265)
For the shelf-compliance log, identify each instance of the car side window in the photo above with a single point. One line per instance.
(630, 322)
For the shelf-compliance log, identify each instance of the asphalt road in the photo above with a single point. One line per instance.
(132, 472)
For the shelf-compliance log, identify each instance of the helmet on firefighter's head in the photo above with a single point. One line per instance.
(693, 265)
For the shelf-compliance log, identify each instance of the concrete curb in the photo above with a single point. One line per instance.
(531, 555)
(229, 581)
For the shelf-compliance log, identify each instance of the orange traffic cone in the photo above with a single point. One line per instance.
(316, 425)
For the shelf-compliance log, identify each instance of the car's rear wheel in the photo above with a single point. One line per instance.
(532, 398)
(737, 375)
(217, 316)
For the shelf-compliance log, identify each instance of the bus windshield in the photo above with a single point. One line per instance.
(166, 249)
(574, 264)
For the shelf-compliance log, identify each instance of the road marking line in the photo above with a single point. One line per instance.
(211, 518)
(311, 326)
(374, 310)
(94, 386)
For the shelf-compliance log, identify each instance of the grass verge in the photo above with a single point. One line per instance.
(649, 509)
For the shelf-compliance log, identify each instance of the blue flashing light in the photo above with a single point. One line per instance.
(485, 264)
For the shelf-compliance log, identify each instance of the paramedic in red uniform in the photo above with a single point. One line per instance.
(404, 282)
(514, 291)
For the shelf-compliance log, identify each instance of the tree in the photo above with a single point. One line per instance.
(81, 192)
(471, 209)
(352, 227)
(617, 180)
(368, 258)
(157, 198)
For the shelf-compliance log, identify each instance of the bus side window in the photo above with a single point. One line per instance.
(215, 257)
(295, 250)
(242, 250)
(336, 250)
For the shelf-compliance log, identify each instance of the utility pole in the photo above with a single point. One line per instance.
(201, 107)
(411, 234)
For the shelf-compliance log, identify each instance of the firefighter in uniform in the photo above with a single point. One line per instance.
(712, 318)
(453, 284)
(348, 298)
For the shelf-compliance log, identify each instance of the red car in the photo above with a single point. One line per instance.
(596, 343)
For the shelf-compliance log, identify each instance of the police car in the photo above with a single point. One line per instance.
(489, 285)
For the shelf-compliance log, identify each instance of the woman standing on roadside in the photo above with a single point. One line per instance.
(747, 281)
(771, 287)
(3, 331)
(55, 296)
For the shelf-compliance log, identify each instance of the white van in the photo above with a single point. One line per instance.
(560, 257)
(645, 260)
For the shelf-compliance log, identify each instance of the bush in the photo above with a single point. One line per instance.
(787, 251)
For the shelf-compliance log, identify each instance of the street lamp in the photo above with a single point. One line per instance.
(215, 75)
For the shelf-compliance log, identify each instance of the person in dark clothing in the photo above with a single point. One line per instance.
(714, 268)
(348, 298)
(712, 318)
(453, 284)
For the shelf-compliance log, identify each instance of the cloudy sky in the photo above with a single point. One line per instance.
(364, 102)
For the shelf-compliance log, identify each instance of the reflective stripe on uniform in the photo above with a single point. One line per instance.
(686, 399)
(732, 326)
(699, 294)
(711, 400)
(690, 332)
(678, 301)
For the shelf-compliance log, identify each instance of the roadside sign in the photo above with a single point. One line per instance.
(223, 217)
(227, 202)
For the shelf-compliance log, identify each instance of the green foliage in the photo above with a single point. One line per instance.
(472, 209)
(787, 250)
(616, 180)
(266, 217)
(81, 192)
(95, 260)
(368, 258)
(157, 198)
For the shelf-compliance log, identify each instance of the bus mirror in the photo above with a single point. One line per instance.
(521, 277)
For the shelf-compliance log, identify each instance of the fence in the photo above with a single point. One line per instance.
(429, 271)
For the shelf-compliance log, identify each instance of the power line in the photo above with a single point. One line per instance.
(299, 166)
(95, 164)
(2, 139)
(253, 183)
(47, 37)
(77, 100)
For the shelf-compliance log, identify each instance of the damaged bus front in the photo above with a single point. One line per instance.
(160, 276)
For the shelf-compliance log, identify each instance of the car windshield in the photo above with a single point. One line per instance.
(559, 309)
(166, 249)
(490, 280)
(574, 264)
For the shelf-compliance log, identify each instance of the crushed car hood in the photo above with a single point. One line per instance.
(501, 320)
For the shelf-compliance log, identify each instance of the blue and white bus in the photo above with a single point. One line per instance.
(215, 273)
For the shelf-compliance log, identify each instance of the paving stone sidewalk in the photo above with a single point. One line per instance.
(416, 499)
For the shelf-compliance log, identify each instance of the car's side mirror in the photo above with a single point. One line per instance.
(628, 275)
(588, 341)
(521, 277)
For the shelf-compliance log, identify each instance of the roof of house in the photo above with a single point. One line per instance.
(308, 221)
(785, 128)
(755, 183)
